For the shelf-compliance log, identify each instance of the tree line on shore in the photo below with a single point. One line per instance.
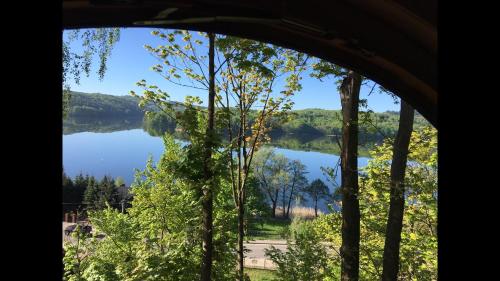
(277, 182)
(84, 193)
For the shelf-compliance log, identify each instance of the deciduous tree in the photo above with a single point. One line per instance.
(418, 247)
(317, 190)
(349, 88)
(397, 187)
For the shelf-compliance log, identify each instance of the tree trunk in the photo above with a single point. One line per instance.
(274, 209)
(396, 207)
(290, 201)
(241, 254)
(241, 193)
(316, 207)
(349, 95)
(284, 203)
(207, 197)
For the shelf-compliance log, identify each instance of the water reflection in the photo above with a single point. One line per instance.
(304, 138)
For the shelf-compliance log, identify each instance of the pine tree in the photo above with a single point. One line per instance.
(108, 192)
(91, 196)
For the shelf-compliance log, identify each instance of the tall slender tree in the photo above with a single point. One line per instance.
(349, 95)
(207, 199)
(91, 196)
(298, 182)
(265, 172)
(349, 88)
(249, 77)
(108, 192)
(190, 61)
(397, 199)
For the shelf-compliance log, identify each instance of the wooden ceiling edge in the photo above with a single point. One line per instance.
(377, 68)
(427, 93)
(399, 17)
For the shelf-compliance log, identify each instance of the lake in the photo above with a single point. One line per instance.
(120, 152)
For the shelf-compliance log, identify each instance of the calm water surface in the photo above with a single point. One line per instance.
(119, 153)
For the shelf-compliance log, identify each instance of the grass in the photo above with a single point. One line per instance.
(260, 274)
(268, 229)
(275, 228)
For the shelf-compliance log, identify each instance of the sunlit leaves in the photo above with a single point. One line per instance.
(306, 258)
(183, 64)
(323, 69)
(159, 238)
(418, 253)
(94, 41)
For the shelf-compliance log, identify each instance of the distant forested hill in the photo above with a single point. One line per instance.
(328, 122)
(101, 105)
(304, 124)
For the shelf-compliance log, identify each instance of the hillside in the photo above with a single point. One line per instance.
(328, 122)
(101, 105)
(304, 125)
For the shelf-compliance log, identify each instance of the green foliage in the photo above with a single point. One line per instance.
(75, 257)
(98, 41)
(318, 130)
(103, 106)
(67, 182)
(119, 181)
(159, 238)
(98, 194)
(321, 122)
(73, 192)
(158, 123)
(317, 190)
(66, 98)
(281, 180)
(109, 193)
(306, 257)
(297, 226)
(323, 69)
(256, 208)
(260, 274)
(418, 253)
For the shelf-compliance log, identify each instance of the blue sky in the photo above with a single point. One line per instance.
(130, 62)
